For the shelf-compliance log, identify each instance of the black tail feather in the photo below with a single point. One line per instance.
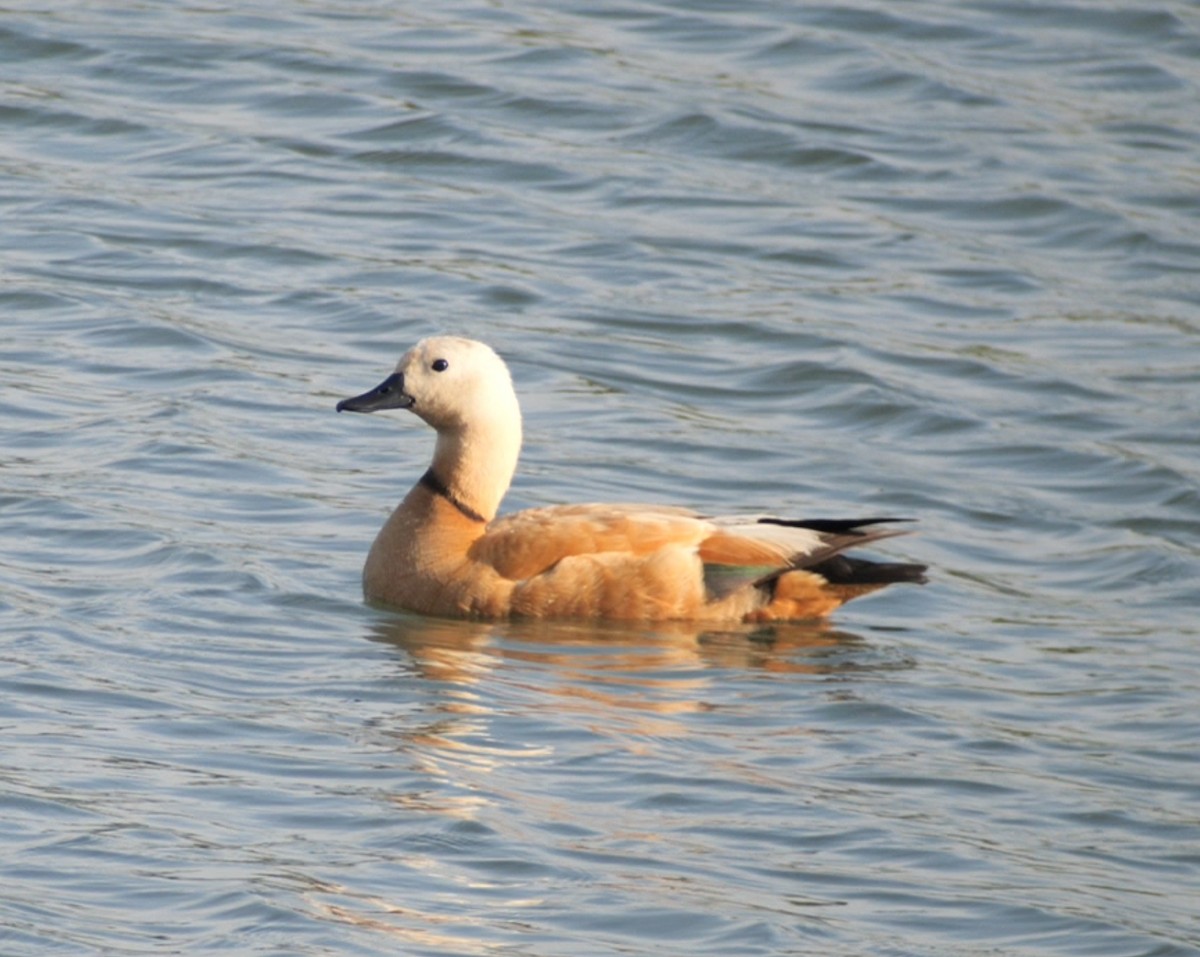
(844, 570)
(832, 526)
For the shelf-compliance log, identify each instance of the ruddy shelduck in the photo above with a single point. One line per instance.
(444, 552)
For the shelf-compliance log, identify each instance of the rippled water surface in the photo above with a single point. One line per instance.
(928, 258)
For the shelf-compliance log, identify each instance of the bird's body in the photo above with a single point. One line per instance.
(443, 552)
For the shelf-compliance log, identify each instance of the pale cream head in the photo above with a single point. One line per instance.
(457, 383)
(462, 389)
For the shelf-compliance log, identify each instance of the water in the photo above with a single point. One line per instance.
(929, 258)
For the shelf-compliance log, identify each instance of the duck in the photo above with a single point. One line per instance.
(444, 550)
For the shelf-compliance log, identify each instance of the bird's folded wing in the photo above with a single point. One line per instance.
(528, 543)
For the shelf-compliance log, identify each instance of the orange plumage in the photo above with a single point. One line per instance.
(443, 551)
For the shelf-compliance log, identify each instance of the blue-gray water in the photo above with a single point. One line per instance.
(933, 258)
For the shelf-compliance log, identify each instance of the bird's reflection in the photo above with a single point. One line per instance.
(619, 685)
(504, 722)
(460, 652)
(618, 688)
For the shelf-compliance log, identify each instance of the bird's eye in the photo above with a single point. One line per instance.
(440, 365)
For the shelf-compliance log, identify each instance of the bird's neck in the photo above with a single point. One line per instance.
(473, 466)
